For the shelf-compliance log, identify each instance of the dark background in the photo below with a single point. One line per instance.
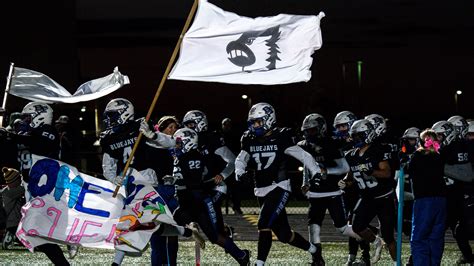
(414, 54)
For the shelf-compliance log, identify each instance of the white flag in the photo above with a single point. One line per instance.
(35, 86)
(222, 46)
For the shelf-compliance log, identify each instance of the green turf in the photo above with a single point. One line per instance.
(280, 254)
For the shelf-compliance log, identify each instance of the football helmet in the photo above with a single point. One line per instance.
(64, 119)
(471, 127)
(460, 126)
(410, 139)
(196, 120)
(362, 132)
(378, 122)
(261, 119)
(186, 140)
(345, 119)
(37, 114)
(446, 132)
(118, 112)
(314, 126)
(411, 133)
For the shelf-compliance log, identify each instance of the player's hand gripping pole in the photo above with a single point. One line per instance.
(158, 91)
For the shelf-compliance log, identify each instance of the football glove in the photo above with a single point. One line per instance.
(146, 131)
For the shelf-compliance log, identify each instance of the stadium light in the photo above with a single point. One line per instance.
(458, 92)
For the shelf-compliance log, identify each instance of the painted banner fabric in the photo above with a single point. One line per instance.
(70, 207)
(67, 206)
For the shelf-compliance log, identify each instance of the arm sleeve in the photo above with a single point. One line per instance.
(109, 168)
(228, 156)
(163, 141)
(241, 163)
(304, 157)
(461, 172)
(342, 167)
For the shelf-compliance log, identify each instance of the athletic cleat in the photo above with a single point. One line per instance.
(8, 240)
(73, 251)
(317, 257)
(378, 246)
(350, 260)
(197, 234)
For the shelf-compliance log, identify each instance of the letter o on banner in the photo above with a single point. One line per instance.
(47, 167)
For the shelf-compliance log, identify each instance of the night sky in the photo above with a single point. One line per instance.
(414, 54)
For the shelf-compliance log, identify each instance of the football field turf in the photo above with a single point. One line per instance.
(335, 253)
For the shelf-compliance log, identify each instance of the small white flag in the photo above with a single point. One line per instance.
(35, 86)
(222, 46)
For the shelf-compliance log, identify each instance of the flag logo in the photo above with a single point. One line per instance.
(241, 55)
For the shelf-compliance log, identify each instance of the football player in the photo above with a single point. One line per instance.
(264, 152)
(220, 159)
(190, 169)
(458, 176)
(342, 124)
(117, 142)
(371, 171)
(38, 136)
(326, 194)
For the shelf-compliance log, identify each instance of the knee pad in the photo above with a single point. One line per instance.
(314, 233)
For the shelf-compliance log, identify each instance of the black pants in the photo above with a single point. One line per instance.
(384, 208)
(336, 207)
(273, 213)
(54, 254)
(201, 209)
(457, 197)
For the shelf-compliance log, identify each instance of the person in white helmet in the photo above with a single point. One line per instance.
(265, 149)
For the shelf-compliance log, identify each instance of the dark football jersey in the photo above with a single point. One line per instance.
(190, 169)
(43, 141)
(457, 152)
(391, 149)
(208, 143)
(325, 152)
(118, 143)
(369, 185)
(267, 155)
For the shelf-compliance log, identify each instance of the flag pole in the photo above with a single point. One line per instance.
(7, 89)
(160, 87)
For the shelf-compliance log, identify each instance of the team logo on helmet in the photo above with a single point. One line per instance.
(186, 140)
(446, 130)
(264, 114)
(362, 132)
(37, 114)
(461, 126)
(196, 120)
(118, 111)
(314, 125)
